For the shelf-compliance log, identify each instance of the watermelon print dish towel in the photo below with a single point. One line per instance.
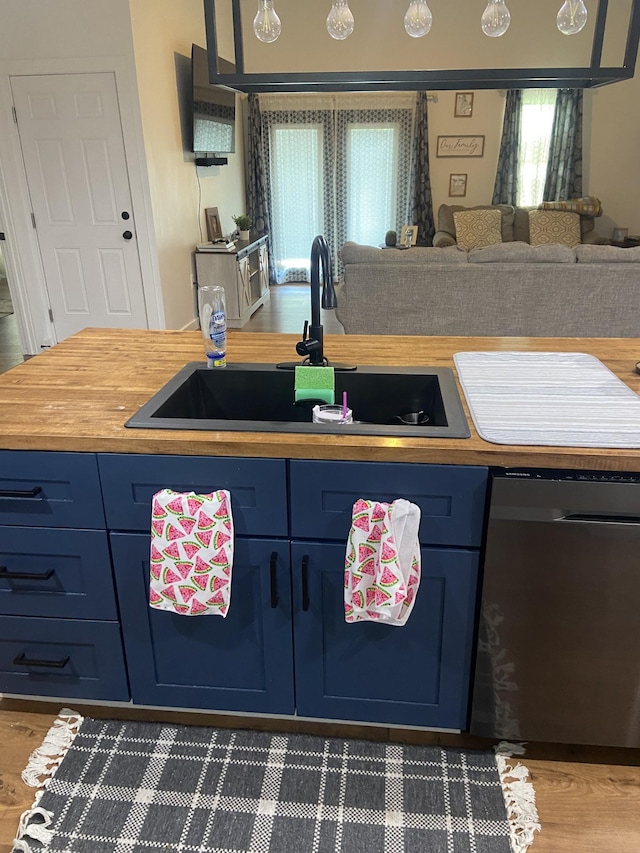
(382, 566)
(191, 552)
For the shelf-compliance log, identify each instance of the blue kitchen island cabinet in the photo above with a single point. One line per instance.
(242, 662)
(416, 674)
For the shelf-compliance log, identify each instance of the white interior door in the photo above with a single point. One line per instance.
(74, 155)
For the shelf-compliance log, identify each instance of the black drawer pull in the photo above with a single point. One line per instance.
(21, 660)
(18, 493)
(273, 579)
(5, 574)
(305, 583)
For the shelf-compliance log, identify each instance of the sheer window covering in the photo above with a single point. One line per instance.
(538, 107)
(341, 168)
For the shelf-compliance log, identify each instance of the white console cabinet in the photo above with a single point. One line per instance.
(244, 274)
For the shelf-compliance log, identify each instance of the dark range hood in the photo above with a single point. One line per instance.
(483, 78)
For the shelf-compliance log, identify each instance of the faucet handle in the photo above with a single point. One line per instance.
(305, 330)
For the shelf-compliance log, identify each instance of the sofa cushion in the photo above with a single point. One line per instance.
(476, 229)
(523, 253)
(554, 226)
(607, 255)
(355, 253)
(446, 221)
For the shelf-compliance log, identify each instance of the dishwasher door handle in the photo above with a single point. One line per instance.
(595, 518)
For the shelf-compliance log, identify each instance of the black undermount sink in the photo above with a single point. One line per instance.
(260, 398)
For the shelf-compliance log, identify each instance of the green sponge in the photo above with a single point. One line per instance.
(315, 383)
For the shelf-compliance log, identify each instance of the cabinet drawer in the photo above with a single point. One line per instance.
(257, 487)
(50, 489)
(61, 573)
(451, 498)
(59, 657)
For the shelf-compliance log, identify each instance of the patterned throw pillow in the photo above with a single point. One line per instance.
(554, 226)
(476, 229)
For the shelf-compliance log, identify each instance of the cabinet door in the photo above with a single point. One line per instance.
(263, 268)
(243, 662)
(244, 284)
(417, 674)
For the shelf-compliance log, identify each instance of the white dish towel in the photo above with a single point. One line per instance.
(191, 552)
(382, 565)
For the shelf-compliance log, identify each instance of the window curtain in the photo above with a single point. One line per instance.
(257, 199)
(422, 199)
(564, 170)
(333, 164)
(505, 188)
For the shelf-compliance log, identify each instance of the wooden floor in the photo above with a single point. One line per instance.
(588, 798)
(288, 307)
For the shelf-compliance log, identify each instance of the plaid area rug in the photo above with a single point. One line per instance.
(134, 787)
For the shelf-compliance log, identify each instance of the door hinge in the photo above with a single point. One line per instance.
(51, 315)
(15, 115)
(33, 220)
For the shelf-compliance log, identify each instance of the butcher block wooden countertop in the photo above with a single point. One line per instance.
(78, 395)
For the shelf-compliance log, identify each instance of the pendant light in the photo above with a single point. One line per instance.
(418, 19)
(266, 24)
(572, 17)
(340, 21)
(495, 19)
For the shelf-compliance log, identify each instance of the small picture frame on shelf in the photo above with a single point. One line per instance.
(464, 105)
(457, 185)
(214, 229)
(408, 235)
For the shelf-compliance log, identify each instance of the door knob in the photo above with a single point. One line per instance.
(127, 235)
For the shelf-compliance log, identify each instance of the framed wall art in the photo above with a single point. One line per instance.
(214, 229)
(457, 185)
(464, 105)
(408, 235)
(460, 146)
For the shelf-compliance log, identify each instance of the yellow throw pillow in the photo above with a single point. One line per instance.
(476, 229)
(554, 226)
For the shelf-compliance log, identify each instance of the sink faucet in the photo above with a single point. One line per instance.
(312, 346)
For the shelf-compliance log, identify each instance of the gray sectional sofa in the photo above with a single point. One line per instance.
(506, 289)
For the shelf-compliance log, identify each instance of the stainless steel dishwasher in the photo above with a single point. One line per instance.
(558, 654)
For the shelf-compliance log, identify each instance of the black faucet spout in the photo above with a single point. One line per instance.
(313, 346)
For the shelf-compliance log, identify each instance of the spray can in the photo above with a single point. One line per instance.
(213, 324)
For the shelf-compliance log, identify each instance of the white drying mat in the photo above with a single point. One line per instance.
(548, 398)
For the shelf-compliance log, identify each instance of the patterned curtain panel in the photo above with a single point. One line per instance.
(422, 215)
(564, 171)
(257, 168)
(505, 189)
(337, 165)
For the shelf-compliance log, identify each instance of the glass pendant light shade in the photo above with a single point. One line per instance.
(418, 19)
(266, 24)
(572, 17)
(340, 21)
(495, 19)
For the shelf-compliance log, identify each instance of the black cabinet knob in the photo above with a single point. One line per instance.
(127, 235)
(125, 214)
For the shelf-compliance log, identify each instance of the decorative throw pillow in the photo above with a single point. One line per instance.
(476, 229)
(554, 226)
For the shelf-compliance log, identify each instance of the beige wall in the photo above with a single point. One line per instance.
(179, 191)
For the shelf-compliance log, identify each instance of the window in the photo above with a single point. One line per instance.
(343, 171)
(538, 106)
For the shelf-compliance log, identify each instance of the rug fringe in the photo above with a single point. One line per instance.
(44, 760)
(41, 766)
(519, 797)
